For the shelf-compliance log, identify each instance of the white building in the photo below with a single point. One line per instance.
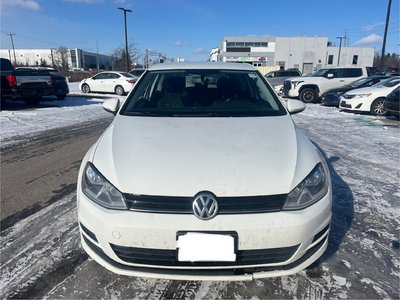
(304, 53)
(77, 59)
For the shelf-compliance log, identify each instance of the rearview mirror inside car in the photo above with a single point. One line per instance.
(112, 105)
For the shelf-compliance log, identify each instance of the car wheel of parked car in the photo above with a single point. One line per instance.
(378, 107)
(85, 88)
(308, 95)
(119, 90)
(61, 97)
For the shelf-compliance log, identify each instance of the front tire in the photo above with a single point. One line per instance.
(308, 95)
(378, 107)
(85, 88)
(119, 90)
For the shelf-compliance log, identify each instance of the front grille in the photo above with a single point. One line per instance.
(287, 85)
(226, 205)
(347, 96)
(344, 104)
(159, 257)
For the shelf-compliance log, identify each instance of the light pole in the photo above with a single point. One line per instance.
(340, 48)
(384, 36)
(126, 38)
(12, 42)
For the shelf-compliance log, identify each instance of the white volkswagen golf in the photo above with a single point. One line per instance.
(203, 175)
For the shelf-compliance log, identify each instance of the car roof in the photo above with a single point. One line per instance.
(203, 65)
(344, 67)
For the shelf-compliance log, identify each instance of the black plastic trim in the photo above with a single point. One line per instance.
(226, 205)
(88, 232)
(203, 272)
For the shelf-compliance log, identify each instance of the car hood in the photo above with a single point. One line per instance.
(368, 90)
(183, 156)
(341, 89)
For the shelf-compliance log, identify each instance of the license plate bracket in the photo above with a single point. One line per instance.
(206, 246)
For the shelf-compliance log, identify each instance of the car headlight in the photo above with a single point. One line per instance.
(310, 190)
(99, 190)
(362, 95)
(295, 83)
(278, 87)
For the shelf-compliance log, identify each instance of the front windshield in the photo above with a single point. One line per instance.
(390, 82)
(319, 73)
(214, 93)
(125, 74)
(359, 82)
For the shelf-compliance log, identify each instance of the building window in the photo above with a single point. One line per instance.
(330, 59)
(246, 44)
(355, 59)
(237, 49)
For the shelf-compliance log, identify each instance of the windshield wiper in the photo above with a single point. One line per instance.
(196, 114)
(147, 113)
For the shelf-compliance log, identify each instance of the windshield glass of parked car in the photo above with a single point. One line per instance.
(391, 82)
(320, 73)
(185, 93)
(125, 74)
(359, 82)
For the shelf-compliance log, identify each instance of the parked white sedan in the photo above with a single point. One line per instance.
(369, 99)
(203, 175)
(109, 82)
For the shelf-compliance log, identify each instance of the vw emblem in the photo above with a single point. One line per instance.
(205, 207)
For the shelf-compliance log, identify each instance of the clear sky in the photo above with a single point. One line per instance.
(190, 28)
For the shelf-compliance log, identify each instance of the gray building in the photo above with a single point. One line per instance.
(305, 53)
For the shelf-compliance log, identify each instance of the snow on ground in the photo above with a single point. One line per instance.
(17, 119)
(361, 261)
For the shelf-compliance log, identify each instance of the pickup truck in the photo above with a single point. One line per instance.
(309, 88)
(30, 84)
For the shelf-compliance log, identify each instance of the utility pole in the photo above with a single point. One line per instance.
(340, 47)
(147, 58)
(126, 37)
(384, 36)
(345, 38)
(52, 57)
(12, 43)
(97, 46)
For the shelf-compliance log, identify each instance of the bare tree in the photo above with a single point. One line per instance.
(390, 60)
(119, 57)
(61, 60)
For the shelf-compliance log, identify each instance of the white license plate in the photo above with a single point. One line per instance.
(197, 246)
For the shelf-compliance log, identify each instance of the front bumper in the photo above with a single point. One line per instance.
(392, 107)
(360, 104)
(330, 100)
(102, 229)
(290, 93)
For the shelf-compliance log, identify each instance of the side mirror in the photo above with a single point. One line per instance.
(330, 76)
(112, 106)
(295, 106)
